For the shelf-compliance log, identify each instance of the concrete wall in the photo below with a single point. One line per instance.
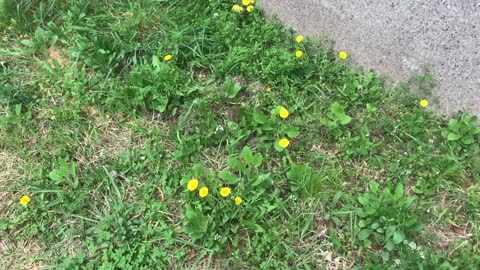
(397, 37)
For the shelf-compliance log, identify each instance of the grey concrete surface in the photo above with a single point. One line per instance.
(398, 37)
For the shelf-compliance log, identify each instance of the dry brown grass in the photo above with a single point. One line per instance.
(104, 138)
(22, 255)
(56, 54)
(9, 174)
(18, 254)
(444, 234)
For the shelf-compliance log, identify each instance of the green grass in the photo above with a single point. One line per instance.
(103, 135)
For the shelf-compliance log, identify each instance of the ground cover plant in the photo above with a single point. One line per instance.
(198, 135)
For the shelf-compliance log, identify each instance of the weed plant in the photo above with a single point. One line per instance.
(199, 135)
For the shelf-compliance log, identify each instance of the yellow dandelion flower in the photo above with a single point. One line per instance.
(299, 39)
(298, 54)
(167, 57)
(237, 8)
(225, 191)
(424, 103)
(343, 55)
(238, 200)
(250, 8)
(268, 90)
(283, 112)
(252, 2)
(245, 2)
(192, 184)
(203, 192)
(24, 200)
(284, 143)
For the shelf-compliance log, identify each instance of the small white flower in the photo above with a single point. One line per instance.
(218, 129)
(422, 255)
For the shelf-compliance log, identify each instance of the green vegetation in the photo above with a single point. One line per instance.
(110, 108)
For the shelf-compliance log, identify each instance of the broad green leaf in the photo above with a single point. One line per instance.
(324, 121)
(398, 191)
(398, 237)
(337, 109)
(409, 201)
(390, 231)
(299, 172)
(293, 132)
(336, 197)
(364, 234)
(371, 108)
(39, 35)
(277, 147)
(344, 119)
(256, 182)
(360, 213)
(247, 155)
(261, 179)
(363, 200)
(28, 43)
(390, 245)
(468, 140)
(156, 63)
(452, 123)
(453, 136)
(416, 227)
(370, 210)
(410, 221)
(259, 229)
(385, 256)
(374, 187)
(236, 164)
(229, 177)
(259, 117)
(362, 223)
(195, 222)
(161, 103)
(232, 88)
(57, 175)
(257, 160)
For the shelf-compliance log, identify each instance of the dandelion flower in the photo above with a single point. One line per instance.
(225, 191)
(192, 184)
(250, 8)
(167, 57)
(298, 54)
(238, 200)
(343, 55)
(237, 8)
(284, 143)
(252, 2)
(24, 200)
(299, 39)
(203, 192)
(268, 90)
(424, 103)
(283, 112)
(245, 2)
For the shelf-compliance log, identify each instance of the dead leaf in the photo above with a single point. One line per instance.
(456, 228)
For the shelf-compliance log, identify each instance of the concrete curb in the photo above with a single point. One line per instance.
(396, 38)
